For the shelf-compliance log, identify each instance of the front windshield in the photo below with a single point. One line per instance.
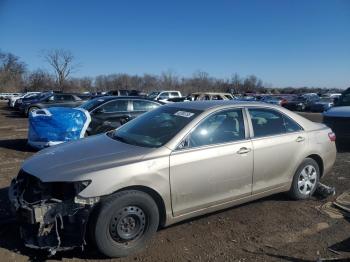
(34, 96)
(31, 96)
(153, 95)
(89, 105)
(155, 128)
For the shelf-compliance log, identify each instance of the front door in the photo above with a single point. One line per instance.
(213, 165)
(109, 116)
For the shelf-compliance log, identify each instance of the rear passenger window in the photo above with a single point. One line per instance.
(268, 122)
(174, 94)
(222, 127)
(216, 97)
(291, 126)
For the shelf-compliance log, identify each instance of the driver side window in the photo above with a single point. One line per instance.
(221, 127)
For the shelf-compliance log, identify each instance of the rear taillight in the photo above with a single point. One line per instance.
(331, 136)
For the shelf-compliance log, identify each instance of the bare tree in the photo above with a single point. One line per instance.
(236, 82)
(62, 63)
(12, 71)
(39, 80)
(201, 81)
(169, 80)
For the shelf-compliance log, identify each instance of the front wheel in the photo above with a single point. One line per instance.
(305, 180)
(125, 222)
(32, 109)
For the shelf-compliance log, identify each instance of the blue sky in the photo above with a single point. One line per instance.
(285, 43)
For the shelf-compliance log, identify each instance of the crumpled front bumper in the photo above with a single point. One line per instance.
(49, 223)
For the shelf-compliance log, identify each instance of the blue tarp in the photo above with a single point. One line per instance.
(57, 125)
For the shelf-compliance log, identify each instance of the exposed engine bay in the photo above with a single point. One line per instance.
(51, 215)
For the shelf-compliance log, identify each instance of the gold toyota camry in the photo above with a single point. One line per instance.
(178, 161)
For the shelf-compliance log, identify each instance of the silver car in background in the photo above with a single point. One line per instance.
(178, 161)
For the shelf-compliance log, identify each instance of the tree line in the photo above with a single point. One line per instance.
(15, 77)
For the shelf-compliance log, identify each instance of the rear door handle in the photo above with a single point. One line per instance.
(243, 150)
(300, 139)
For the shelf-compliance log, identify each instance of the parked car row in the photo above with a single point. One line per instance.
(113, 109)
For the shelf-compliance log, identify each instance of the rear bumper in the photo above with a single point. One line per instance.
(340, 126)
(329, 159)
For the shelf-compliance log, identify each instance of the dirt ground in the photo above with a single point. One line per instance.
(270, 229)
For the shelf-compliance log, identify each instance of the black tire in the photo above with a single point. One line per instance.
(110, 220)
(32, 109)
(297, 189)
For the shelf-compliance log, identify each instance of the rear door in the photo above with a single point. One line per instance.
(278, 143)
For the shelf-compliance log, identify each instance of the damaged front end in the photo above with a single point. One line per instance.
(51, 215)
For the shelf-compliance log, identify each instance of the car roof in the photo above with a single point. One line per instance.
(209, 104)
(210, 93)
(109, 98)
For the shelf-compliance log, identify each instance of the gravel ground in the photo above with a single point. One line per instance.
(270, 229)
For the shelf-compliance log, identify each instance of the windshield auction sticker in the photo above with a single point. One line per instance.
(184, 114)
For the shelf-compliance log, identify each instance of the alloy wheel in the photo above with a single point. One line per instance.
(307, 180)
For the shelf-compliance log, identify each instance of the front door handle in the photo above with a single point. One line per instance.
(243, 150)
(300, 139)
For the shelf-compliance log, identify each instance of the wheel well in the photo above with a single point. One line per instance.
(156, 197)
(319, 161)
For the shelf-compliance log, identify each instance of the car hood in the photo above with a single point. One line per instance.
(73, 161)
(338, 111)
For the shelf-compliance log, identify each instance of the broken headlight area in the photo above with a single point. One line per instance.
(51, 215)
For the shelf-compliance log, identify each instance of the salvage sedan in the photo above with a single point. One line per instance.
(178, 161)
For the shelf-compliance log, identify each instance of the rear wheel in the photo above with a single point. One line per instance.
(305, 180)
(125, 222)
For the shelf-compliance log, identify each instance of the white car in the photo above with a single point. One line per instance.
(6, 96)
(12, 100)
(163, 96)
